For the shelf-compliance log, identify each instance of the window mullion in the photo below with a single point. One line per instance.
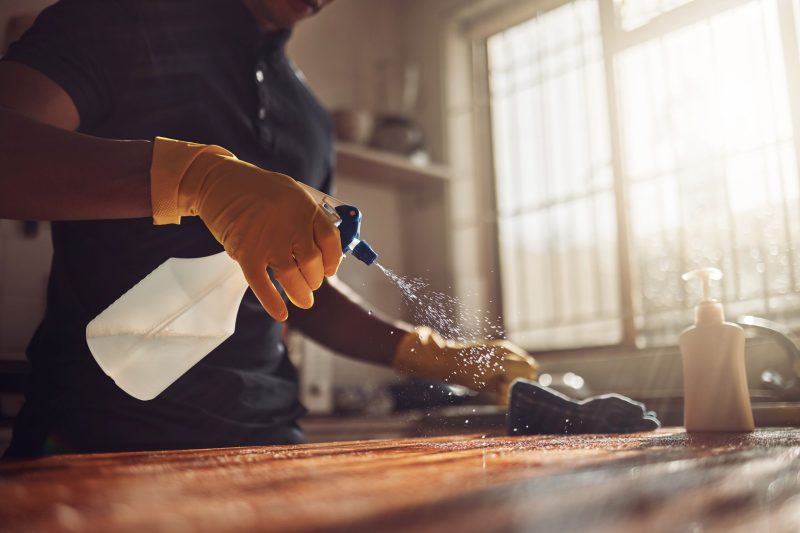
(486, 191)
(627, 317)
(791, 60)
(787, 21)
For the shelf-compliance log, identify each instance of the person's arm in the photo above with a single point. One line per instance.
(48, 172)
(340, 320)
(262, 218)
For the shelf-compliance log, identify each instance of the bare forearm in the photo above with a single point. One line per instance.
(340, 321)
(47, 173)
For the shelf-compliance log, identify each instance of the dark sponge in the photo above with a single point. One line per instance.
(537, 410)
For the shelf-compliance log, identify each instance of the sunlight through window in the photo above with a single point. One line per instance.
(554, 179)
(709, 157)
(707, 160)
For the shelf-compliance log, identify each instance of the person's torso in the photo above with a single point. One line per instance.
(201, 72)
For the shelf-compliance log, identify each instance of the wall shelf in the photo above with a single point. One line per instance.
(360, 162)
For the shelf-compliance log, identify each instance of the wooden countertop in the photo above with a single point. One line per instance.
(651, 482)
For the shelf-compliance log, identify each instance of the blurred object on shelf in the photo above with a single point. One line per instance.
(398, 88)
(398, 92)
(400, 135)
(353, 125)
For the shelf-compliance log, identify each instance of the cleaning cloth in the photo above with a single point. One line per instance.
(537, 410)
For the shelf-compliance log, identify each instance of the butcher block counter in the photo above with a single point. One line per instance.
(663, 481)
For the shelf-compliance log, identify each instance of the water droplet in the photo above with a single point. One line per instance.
(451, 318)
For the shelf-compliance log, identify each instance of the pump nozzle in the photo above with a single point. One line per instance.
(708, 310)
(705, 275)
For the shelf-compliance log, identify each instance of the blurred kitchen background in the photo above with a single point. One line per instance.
(554, 164)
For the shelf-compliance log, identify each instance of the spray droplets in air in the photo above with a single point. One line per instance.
(454, 320)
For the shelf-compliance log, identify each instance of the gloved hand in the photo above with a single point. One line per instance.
(479, 365)
(263, 219)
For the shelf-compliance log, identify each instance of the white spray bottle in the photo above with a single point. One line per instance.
(715, 391)
(184, 309)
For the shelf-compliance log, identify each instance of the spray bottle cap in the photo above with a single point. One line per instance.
(364, 253)
(350, 233)
(708, 311)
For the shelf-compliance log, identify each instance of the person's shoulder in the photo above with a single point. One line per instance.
(91, 10)
(86, 19)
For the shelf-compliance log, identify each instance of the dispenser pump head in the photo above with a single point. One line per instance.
(708, 310)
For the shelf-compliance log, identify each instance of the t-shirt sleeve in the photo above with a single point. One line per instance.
(83, 46)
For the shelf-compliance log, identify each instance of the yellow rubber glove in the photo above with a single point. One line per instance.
(263, 219)
(480, 365)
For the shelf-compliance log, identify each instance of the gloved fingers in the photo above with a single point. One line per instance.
(510, 347)
(488, 381)
(295, 286)
(309, 261)
(265, 291)
(517, 358)
(518, 369)
(328, 241)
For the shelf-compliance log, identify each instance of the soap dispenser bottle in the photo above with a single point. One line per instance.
(715, 391)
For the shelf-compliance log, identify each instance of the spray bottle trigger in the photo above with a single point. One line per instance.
(333, 216)
(349, 225)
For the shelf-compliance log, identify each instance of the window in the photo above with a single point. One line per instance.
(696, 135)
(557, 230)
(633, 14)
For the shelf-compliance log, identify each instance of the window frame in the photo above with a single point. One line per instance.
(466, 54)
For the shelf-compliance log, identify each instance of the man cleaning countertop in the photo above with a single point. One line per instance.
(214, 75)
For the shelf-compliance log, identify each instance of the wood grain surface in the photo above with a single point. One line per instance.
(663, 481)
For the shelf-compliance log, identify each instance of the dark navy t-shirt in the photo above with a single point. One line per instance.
(194, 70)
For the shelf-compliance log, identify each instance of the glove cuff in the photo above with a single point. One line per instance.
(171, 161)
(413, 353)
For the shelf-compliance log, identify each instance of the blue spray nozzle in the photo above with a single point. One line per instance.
(350, 231)
(364, 253)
